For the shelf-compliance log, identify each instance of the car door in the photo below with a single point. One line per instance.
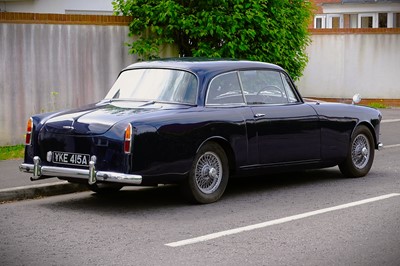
(288, 130)
(226, 101)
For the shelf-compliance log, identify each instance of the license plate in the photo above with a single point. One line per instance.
(71, 158)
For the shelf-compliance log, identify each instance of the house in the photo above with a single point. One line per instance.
(333, 14)
(354, 48)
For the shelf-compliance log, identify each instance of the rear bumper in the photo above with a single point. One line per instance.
(91, 175)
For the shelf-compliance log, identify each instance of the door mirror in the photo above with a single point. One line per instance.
(356, 98)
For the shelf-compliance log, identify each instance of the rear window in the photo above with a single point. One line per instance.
(164, 85)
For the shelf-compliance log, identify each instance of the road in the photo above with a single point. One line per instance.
(309, 218)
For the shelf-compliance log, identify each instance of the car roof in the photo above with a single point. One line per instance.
(202, 65)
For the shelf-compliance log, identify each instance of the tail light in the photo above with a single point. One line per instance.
(29, 129)
(128, 139)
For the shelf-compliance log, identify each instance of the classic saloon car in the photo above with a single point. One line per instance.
(197, 123)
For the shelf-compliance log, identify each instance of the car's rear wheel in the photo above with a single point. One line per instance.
(101, 188)
(208, 176)
(360, 155)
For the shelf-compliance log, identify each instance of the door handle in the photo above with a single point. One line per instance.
(259, 115)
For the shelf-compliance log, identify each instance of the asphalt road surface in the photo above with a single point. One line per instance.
(307, 218)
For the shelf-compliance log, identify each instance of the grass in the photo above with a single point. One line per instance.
(12, 152)
(377, 105)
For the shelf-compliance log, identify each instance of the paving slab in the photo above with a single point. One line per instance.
(16, 185)
(10, 176)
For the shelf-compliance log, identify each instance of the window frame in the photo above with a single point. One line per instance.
(329, 19)
(323, 21)
(374, 19)
(292, 88)
(282, 75)
(244, 103)
(114, 90)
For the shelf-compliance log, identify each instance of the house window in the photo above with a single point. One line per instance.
(334, 21)
(319, 22)
(383, 20)
(353, 21)
(396, 20)
(368, 20)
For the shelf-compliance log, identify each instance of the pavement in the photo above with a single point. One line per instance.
(15, 185)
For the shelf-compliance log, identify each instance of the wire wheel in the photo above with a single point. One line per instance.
(208, 176)
(360, 151)
(360, 155)
(208, 172)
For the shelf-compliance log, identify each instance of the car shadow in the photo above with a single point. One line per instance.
(273, 182)
(128, 199)
(134, 199)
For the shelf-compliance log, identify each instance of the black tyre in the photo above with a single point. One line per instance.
(360, 155)
(208, 176)
(101, 188)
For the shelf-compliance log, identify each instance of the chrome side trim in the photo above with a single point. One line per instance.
(42, 172)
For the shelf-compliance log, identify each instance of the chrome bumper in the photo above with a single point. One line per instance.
(91, 175)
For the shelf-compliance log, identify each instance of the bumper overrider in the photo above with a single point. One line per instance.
(91, 175)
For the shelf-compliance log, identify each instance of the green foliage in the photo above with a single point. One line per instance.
(12, 152)
(377, 105)
(272, 31)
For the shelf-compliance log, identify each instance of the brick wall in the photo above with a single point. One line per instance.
(35, 18)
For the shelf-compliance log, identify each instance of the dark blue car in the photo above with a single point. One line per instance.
(197, 123)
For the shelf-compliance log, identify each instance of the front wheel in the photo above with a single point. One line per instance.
(208, 176)
(360, 155)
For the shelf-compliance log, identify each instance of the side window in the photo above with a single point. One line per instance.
(292, 98)
(263, 87)
(225, 89)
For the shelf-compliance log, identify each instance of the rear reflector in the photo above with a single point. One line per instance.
(29, 129)
(128, 139)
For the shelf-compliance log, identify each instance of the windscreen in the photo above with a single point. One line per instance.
(161, 85)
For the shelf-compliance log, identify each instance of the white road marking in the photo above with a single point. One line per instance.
(277, 221)
(390, 120)
(391, 146)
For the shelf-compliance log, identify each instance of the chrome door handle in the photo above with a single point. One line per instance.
(259, 115)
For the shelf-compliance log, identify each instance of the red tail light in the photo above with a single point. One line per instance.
(128, 139)
(29, 129)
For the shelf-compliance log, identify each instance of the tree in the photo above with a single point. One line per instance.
(272, 31)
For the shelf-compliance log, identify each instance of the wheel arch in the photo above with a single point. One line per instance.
(370, 128)
(358, 164)
(225, 145)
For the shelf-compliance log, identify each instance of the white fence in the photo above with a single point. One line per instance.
(47, 67)
(341, 65)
